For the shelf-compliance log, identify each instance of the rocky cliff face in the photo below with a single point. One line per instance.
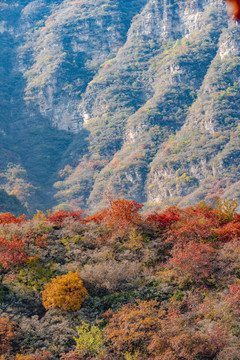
(139, 96)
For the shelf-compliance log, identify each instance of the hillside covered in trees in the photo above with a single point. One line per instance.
(138, 95)
(121, 284)
(137, 99)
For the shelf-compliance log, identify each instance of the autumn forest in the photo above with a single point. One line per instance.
(119, 180)
(121, 283)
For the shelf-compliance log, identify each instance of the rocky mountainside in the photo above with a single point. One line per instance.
(139, 96)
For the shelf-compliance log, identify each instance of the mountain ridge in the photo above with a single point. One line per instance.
(113, 96)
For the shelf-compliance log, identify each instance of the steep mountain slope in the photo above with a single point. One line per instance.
(107, 95)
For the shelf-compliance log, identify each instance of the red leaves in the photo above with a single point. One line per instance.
(58, 217)
(202, 223)
(230, 231)
(12, 252)
(97, 217)
(197, 227)
(8, 218)
(196, 238)
(165, 219)
(193, 260)
(194, 229)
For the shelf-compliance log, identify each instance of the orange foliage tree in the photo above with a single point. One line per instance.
(65, 292)
(121, 216)
(133, 326)
(122, 213)
(7, 334)
(176, 341)
(45, 355)
(156, 334)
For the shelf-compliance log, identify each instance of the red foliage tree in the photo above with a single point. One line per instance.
(197, 224)
(58, 217)
(8, 218)
(166, 219)
(229, 231)
(193, 260)
(97, 217)
(12, 252)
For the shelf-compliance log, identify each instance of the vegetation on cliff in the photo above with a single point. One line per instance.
(139, 96)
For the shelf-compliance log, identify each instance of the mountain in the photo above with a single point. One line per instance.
(108, 96)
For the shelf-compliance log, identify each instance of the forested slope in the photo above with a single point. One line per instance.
(120, 284)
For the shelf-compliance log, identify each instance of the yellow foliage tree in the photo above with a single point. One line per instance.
(65, 292)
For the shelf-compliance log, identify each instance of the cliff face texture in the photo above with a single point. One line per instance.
(110, 95)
